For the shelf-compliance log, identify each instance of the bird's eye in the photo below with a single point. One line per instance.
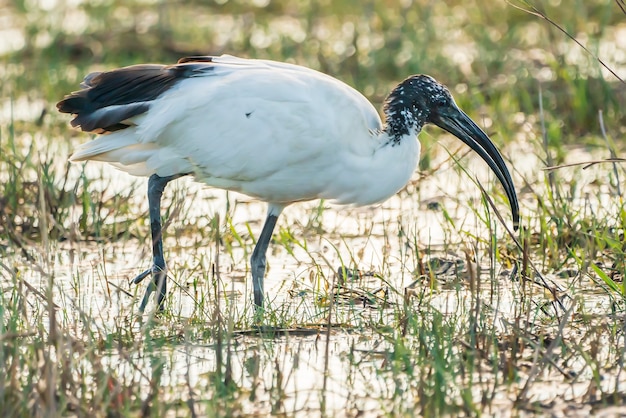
(441, 101)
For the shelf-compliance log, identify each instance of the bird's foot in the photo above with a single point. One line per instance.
(157, 283)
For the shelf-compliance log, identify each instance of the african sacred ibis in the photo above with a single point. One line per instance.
(278, 132)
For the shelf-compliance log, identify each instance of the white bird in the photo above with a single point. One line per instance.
(278, 132)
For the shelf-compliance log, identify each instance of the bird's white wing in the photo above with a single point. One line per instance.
(260, 127)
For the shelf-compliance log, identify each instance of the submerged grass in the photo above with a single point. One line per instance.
(426, 306)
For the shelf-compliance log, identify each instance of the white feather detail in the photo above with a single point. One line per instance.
(275, 131)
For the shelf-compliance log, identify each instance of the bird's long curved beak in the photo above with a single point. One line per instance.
(463, 127)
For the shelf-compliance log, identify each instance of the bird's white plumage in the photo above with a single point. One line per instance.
(275, 131)
(278, 132)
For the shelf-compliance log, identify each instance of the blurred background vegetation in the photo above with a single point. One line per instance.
(494, 50)
(497, 58)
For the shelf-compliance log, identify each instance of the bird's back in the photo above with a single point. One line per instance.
(110, 99)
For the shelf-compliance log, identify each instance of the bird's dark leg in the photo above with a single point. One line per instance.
(257, 261)
(156, 185)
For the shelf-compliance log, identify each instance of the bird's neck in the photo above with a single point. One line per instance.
(399, 126)
(389, 168)
(401, 121)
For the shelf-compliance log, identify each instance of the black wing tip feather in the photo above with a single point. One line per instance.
(70, 104)
(107, 99)
(196, 58)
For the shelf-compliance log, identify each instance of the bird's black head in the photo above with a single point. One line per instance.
(413, 103)
(419, 100)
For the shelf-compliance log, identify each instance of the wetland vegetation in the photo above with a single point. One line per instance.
(426, 305)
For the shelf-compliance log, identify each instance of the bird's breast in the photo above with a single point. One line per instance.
(368, 180)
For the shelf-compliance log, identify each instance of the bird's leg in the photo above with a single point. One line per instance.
(257, 261)
(156, 185)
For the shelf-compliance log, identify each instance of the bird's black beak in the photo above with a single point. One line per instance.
(455, 121)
